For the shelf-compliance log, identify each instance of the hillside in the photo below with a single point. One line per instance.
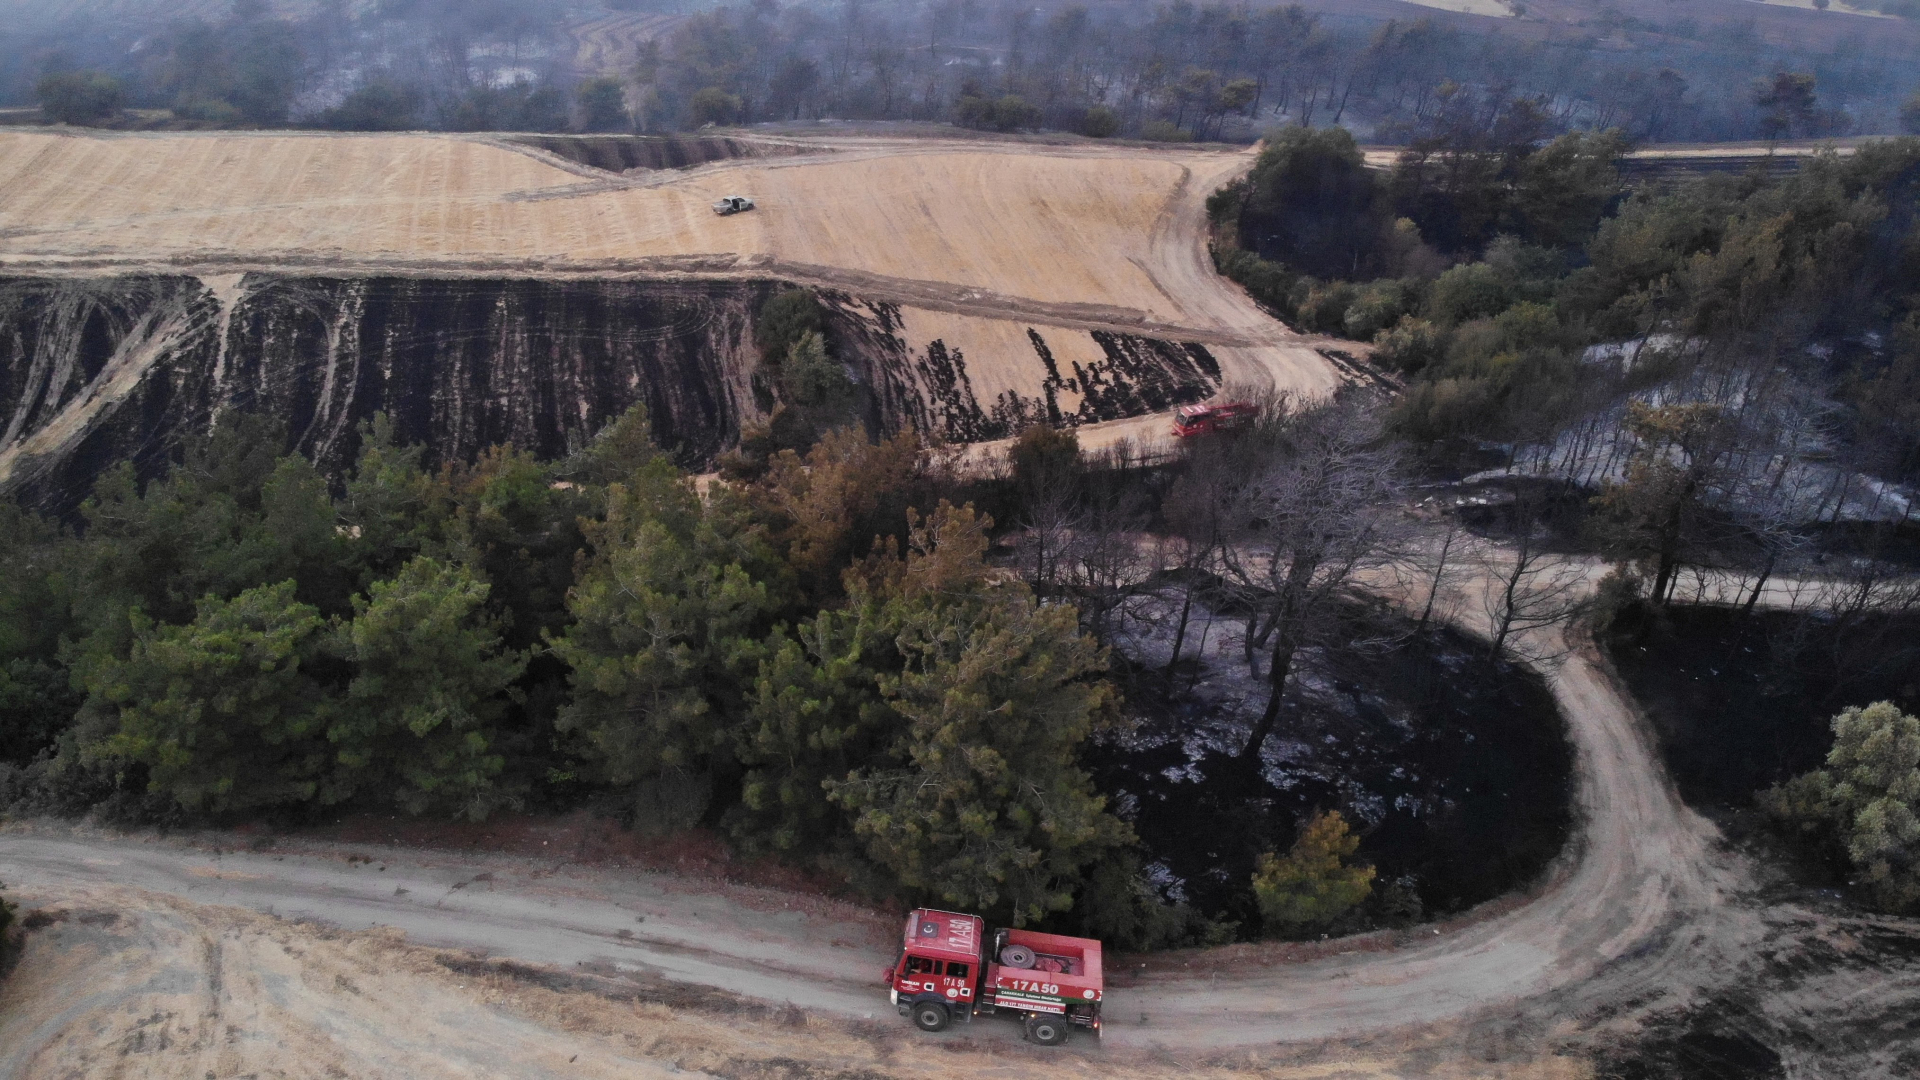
(975, 284)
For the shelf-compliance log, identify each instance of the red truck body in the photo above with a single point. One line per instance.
(1192, 420)
(950, 969)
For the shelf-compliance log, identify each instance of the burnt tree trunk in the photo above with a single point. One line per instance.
(1180, 632)
(1288, 629)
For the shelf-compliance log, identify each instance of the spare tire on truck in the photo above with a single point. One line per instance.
(1046, 1029)
(1017, 956)
(931, 1016)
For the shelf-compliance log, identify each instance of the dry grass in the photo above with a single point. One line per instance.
(978, 240)
(1055, 227)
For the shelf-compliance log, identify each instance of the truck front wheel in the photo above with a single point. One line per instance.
(1047, 1030)
(930, 1016)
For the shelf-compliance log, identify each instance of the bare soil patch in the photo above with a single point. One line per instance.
(1825, 994)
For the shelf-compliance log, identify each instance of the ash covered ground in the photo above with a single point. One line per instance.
(1455, 769)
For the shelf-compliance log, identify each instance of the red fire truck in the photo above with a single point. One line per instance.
(1192, 420)
(949, 969)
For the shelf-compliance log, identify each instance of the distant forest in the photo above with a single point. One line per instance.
(1169, 71)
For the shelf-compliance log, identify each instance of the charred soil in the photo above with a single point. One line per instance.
(1456, 770)
(622, 153)
(1742, 701)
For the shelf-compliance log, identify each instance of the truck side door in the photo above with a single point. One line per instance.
(957, 983)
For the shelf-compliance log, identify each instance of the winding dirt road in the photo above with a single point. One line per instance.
(1642, 904)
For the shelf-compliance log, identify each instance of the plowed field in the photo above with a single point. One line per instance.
(982, 240)
(1058, 228)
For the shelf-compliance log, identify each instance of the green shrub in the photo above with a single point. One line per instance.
(811, 377)
(1120, 906)
(1312, 885)
(376, 105)
(1321, 306)
(1410, 345)
(1269, 283)
(208, 111)
(1529, 325)
(603, 104)
(713, 106)
(1469, 291)
(1380, 304)
(1865, 803)
(1100, 122)
(1010, 112)
(1043, 457)
(1617, 592)
(1164, 131)
(1223, 206)
(80, 97)
(1312, 204)
(784, 318)
(1444, 407)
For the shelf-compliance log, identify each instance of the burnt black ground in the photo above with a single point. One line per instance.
(1742, 702)
(1456, 772)
(1739, 703)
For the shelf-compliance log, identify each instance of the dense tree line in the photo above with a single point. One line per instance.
(1155, 70)
(1706, 378)
(830, 654)
(1702, 378)
(1728, 360)
(236, 640)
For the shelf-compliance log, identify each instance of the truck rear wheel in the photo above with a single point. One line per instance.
(1047, 1030)
(930, 1016)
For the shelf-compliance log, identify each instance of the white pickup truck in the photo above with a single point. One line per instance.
(732, 204)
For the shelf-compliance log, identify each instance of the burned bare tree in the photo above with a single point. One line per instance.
(1526, 586)
(1046, 472)
(1658, 513)
(1768, 487)
(1212, 481)
(1320, 504)
(1104, 562)
(1436, 566)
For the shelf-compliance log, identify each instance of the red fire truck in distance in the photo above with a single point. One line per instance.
(1192, 420)
(950, 970)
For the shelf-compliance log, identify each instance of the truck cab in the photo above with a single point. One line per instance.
(937, 974)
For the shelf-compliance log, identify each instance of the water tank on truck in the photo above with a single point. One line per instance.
(950, 969)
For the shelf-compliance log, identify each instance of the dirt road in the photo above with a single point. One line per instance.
(1640, 903)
